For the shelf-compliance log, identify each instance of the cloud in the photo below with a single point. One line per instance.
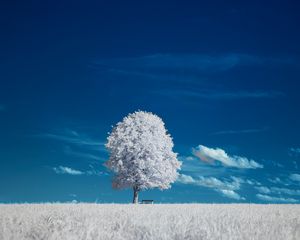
(253, 182)
(73, 137)
(231, 194)
(295, 164)
(277, 190)
(183, 68)
(78, 145)
(212, 94)
(295, 152)
(226, 188)
(213, 182)
(211, 155)
(159, 65)
(171, 63)
(291, 179)
(276, 180)
(185, 179)
(186, 158)
(192, 165)
(242, 131)
(272, 163)
(67, 170)
(79, 154)
(295, 177)
(263, 189)
(94, 172)
(276, 199)
(71, 171)
(285, 191)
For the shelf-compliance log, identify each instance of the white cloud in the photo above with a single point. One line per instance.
(276, 199)
(247, 181)
(187, 158)
(95, 172)
(226, 188)
(263, 189)
(213, 182)
(231, 194)
(253, 182)
(295, 177)
(276, 180)
(250, 182)
(294, 151)
(185, 179)
(277, 190)
(285, 191)
(211, 155)
(67, 170)
(192, 165)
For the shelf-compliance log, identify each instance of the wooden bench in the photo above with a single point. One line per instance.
(147, 201)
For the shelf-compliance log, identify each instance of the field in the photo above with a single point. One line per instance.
(158, 221)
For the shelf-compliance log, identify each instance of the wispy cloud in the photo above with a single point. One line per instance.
(287, 191)
(263, 189)
(73, 137)
(241, 131)
(272, 163)
(251, 182)
(294, 152)
(213, 94)
(84, 155)
(226, 188)
(268, 198)
(158, 65)
(291, 179)
(67, 170)
(77, 144)
(183, 68)
(191, 165)
(295, 177)
(92, 171)
(277, 190)
(186, 158)
(276, 180)
(170, 63)
(211, 155)
(231, 194)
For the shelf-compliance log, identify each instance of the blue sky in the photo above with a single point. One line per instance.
(223, 76)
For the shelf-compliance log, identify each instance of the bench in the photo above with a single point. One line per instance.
(147, 201)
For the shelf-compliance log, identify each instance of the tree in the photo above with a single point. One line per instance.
(141, 154)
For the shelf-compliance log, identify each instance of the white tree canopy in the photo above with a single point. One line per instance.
(141, 153)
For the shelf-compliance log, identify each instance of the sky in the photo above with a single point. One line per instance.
(223, 76)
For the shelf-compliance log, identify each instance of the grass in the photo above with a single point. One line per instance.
(158, 221)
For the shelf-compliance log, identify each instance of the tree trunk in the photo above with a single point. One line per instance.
(135, 195)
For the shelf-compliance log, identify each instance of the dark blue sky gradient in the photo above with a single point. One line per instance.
(220, 73)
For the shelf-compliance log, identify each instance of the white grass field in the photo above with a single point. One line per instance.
(158, 221)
